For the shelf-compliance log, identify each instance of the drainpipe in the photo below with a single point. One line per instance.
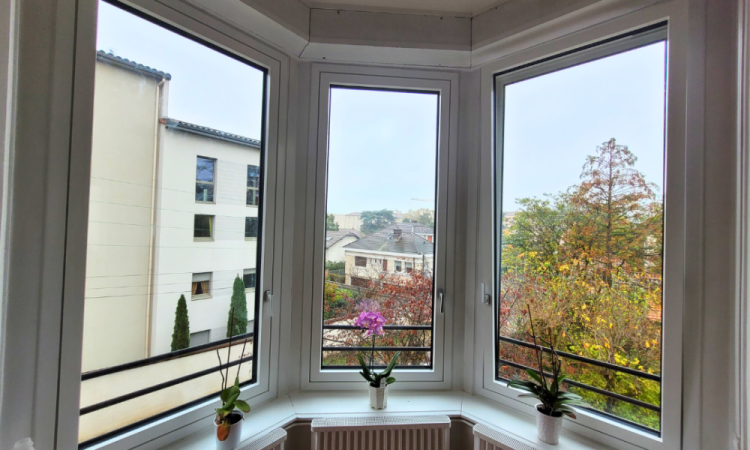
(151, 247)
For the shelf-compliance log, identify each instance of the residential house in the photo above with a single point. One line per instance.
(337, 240)
(397, 249)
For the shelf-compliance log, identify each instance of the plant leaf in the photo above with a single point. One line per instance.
(364, 366)
(224, 395)
(390, 380)
(534, 375)
(390, 367)
(242, 405)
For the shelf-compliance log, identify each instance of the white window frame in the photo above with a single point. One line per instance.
(601, 429)
(212, 225)
(265, 387)
(446, 84)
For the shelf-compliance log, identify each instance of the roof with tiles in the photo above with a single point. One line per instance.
(200, 130)
(111, 58)
(333, 237)
(388, 240)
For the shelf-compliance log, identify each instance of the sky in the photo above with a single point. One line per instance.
(382, 150)
(207, 88)
(552, 122)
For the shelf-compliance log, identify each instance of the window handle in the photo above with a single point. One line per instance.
(440, 297)
(268, 298)
(486, 298)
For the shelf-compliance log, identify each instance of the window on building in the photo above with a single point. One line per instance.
(251, 228)
(201, 287)
(397, 266)
(249, 278)
(580, 209)
(147, 279)
(409, 267)
(360, 156)
(203, 227)
(199, 338)
(204, 179)
(253, 185)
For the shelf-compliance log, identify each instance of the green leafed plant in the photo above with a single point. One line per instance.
(230, 395)
(376, 378)
(545, 387)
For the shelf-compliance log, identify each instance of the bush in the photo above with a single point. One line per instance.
(181, 334)
(239, 306)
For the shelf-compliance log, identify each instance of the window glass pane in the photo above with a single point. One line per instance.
(251, 227)
(151, 289)
(253, 176)
(249, 279)
(203, 226)
(382, 161)
(580, 257)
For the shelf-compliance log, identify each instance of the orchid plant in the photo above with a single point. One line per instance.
(229, 394)
(372, 322)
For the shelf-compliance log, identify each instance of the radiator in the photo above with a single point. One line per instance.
(382, 433)
(486, 438)
(271, 441)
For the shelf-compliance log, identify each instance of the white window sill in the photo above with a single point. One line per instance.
(310, 405)
(200, 297)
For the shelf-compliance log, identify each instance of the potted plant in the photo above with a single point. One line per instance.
(372, 322)
(547, 388)
(229, 417)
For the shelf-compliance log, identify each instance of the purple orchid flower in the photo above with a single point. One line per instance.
(372, 321)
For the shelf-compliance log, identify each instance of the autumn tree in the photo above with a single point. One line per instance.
(588, 263)
(373, 221)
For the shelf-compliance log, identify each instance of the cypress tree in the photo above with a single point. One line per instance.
(181, 335)
(239, 303)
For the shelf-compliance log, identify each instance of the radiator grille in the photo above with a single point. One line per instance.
(271, 441)
(382, 433)
(486, 438)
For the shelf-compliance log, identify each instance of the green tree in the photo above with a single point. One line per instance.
(239, 304)
(373, 221)
(424, 216)
(181, 334)
(538, 227)
(331, 224)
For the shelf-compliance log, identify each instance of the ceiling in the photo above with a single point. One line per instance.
(461, 8)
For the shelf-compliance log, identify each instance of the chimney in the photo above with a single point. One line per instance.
(397, 234)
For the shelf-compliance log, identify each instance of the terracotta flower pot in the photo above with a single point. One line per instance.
(548, 427)
(235, 432)
(378, 397)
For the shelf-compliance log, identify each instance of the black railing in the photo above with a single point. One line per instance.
(590, 361)
(235, 340)
(378, 349)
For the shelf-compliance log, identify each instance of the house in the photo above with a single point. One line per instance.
(337, 240)
(395, 250)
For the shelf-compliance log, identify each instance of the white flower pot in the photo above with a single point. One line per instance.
(378, 397)
(235, 432)
(548, 427)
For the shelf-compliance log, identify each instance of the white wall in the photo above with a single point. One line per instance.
(120, 217)
(178, 256)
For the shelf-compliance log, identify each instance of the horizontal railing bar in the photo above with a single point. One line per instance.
(593, 362)
(158, 387)
(163, 357)
(385, 327)
(380, 366)
(377, 349)
(588, 387)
